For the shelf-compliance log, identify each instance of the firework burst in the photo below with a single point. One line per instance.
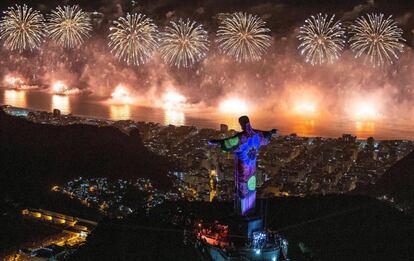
(376, 37)
(322, 39)
(69, 26)
(133, 39)
(243, 36)
(184, 43)
(22, 28)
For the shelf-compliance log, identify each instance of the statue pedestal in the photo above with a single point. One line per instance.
(243, 226)
(238, 238)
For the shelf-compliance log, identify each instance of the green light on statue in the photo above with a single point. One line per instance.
(251, 183)
(229, 143)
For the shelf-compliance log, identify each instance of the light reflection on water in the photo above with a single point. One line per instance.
(364, 129)
(93, 107)
(120, 112)
(174, 117)
(61, 103)
(304, 128)
(15, 98)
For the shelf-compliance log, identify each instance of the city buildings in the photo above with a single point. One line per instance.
(288, 166)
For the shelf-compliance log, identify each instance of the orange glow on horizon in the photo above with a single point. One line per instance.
(13, 81)
(366, 111)
(302, 100)
(304, 128)
(305, 109)
(233, 106)
(121, 95)
(364, 129)
(172, 100)
(172, 117)
(59, 87)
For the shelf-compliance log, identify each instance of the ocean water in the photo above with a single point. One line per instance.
(94, 107)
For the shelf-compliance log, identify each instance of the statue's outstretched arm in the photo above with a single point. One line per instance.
(227, 144)
(214, 142)
(267, 135)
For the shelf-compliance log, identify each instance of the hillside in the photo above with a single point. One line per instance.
(396, 184)
(33, 157)
(319, 228)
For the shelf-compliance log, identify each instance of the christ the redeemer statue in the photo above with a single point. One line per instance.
(245, 147)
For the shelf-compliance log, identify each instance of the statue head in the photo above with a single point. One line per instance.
(244, 122)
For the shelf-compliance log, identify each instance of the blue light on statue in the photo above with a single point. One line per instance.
(245, 145)
(247, 203)
(248, 151)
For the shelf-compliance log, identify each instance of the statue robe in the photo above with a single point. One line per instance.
(245, 147)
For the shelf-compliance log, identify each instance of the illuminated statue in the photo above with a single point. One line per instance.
(245, 147)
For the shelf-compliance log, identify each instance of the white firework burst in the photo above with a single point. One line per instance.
(322, 39)
(243, 36)
(133, 39)
(184, 43)
(22, 28)
(69, 26)
(378, 38)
